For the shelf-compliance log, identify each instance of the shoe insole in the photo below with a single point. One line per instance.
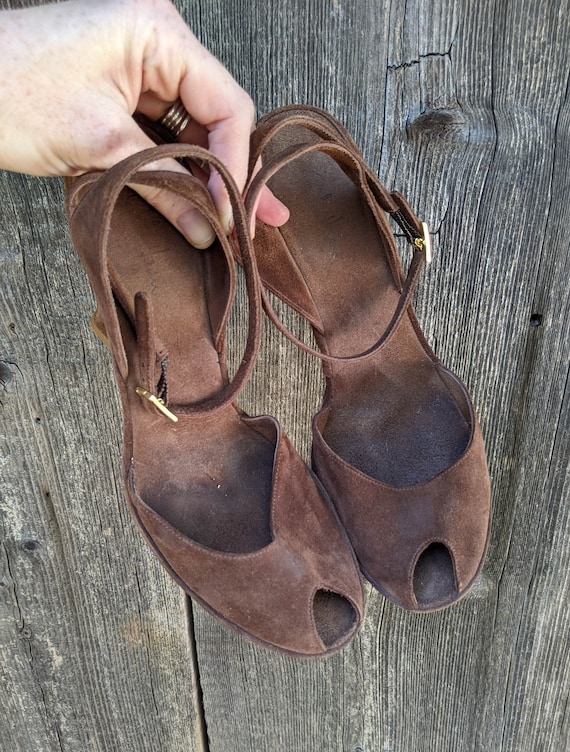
(393, 416)
(208, 476)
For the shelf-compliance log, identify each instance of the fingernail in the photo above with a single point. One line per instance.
(285, 213)
(227, 218)
(196, 228)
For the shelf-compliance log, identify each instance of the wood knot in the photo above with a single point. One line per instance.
(445, 125)
(7, 374)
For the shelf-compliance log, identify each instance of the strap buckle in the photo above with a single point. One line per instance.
(424, 243)
(157, 402)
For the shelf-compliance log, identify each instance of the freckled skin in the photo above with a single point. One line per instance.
(73, 74)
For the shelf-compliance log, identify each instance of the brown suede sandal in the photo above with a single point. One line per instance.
(223, 499)
(396, 443)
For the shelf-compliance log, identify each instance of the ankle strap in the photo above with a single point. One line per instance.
(338, 145)
(90, 205)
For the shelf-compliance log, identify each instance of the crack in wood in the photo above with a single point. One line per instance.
(202, 725)
(418, 60)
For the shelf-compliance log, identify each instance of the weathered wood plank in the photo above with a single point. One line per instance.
(464, 109)
(95, 645)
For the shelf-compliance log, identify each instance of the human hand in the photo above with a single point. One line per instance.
(73, 74)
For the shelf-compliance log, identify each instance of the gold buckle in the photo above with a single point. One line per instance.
(424, 243)
(157, 402)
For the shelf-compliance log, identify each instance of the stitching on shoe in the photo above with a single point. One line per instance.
(340, 462)
(225, 555)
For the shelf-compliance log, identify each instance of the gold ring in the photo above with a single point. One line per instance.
(176, 119)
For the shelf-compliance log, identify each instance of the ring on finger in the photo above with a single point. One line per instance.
(176, 119)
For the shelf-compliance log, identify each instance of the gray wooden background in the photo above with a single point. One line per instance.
(463, 106)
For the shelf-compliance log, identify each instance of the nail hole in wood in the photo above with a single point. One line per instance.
(30, 544)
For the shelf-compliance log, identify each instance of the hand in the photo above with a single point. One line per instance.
(73, 74)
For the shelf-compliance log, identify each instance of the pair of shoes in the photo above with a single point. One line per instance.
(223, 499)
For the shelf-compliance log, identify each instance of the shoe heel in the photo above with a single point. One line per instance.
(99, 328)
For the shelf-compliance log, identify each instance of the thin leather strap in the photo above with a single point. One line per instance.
(353, 165)
(104, 191)
(322, 125)
(327, 127)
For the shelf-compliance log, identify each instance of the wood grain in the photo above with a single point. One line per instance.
(464, 107)
(96, 650)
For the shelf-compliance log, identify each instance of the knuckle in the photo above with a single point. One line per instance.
(248, 106)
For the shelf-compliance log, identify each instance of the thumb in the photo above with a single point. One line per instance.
(176, 209)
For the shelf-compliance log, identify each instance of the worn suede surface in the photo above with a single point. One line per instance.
(224, 500)
(396, 444)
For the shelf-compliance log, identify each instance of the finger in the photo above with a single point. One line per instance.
(196, 133)
(180, 212)
(212, 98)
(229, 141)
(191, 223)
(155, 108)
(270, 209)
(227, 113)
